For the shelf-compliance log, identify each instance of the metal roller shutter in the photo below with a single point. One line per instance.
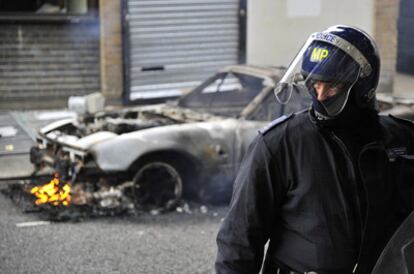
(174, 44)
(42, 64)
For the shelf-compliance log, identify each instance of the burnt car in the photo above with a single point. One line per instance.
(155, 155)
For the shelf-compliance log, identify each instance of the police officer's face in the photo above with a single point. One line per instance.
(324, 90)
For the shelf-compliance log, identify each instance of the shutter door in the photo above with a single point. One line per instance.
(41, 65)
(405, 55)
(174, 44)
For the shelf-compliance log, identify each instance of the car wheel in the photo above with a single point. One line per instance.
(157, 186)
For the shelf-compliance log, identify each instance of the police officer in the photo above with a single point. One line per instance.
(326, 187)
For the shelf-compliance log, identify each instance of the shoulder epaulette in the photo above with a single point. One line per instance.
(403, 121)
(275, 122)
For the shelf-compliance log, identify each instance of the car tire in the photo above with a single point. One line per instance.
(157, 185)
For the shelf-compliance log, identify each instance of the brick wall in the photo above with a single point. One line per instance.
(111, 49)
(386, 17)
(42, 64)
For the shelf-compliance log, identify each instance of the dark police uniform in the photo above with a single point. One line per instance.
(324, 204)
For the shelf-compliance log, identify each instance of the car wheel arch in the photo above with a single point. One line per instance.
(187, 165)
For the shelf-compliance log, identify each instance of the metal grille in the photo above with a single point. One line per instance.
(174, 44)
(45, 63)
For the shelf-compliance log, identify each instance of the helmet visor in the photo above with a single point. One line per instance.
(325, 70)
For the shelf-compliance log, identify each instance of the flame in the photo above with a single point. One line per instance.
(52, 193)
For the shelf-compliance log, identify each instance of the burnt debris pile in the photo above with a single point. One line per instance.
(61, 202)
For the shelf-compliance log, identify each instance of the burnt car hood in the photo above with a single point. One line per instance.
(83, 133)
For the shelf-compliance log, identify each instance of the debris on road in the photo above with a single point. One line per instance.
(185, 208)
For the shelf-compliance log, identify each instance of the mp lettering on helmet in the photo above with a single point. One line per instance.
(318, 54)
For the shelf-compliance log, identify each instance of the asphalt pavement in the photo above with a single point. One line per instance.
(168, 243)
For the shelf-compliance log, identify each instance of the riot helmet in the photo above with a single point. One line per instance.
(345, 59)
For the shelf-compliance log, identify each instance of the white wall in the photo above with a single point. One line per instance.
(276, 29)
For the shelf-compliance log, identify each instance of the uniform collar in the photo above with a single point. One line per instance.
(372, 124)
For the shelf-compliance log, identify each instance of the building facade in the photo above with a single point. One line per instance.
(136, 51)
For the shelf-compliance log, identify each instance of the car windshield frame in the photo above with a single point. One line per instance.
(250, 86)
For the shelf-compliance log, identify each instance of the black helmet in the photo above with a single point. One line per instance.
(342, 56)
